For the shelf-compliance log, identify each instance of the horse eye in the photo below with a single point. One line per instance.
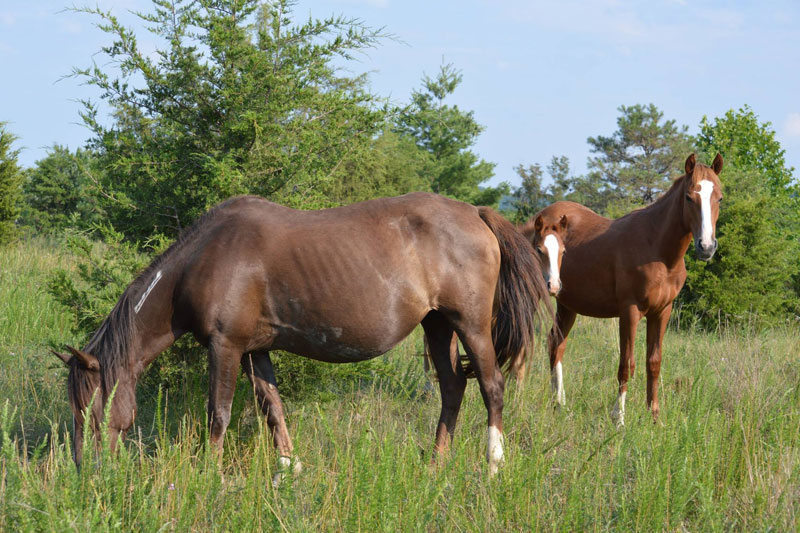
(720, 200)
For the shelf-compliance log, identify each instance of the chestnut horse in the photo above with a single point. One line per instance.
(338, 285)
(630, 268)
(547, 238)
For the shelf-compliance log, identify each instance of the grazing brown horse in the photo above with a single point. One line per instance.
(630, 268)
(339, 285)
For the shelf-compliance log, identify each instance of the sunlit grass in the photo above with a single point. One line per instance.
(724, 456)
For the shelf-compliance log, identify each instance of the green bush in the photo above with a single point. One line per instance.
(10, 185)
(57, 191)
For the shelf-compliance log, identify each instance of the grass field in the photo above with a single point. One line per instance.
(724, 456)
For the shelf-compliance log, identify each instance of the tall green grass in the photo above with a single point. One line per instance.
(724, 456)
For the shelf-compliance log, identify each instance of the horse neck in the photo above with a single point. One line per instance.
(155, 331)
(672, 237)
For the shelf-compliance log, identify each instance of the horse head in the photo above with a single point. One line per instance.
(548, 241)
(86, 395)
(703, 195)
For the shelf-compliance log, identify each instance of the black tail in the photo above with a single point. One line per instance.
(520, 289)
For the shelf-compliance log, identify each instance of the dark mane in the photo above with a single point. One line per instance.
(113, 340)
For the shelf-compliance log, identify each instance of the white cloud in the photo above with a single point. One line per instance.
(792, 125)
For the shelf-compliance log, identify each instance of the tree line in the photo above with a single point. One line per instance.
(242, 97)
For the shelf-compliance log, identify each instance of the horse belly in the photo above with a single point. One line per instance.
(341, 341)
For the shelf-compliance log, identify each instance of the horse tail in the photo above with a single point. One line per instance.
(520, 289)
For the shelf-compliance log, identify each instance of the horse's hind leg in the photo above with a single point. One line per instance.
(443, 348)
(656, 326)
(479, 348)
(258, 368)
(556, 345)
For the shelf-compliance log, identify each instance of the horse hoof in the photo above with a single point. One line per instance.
(286, 464)
(618, 417)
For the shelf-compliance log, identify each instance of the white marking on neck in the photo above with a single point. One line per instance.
(551, 244)
(147, 292)
(494, 450)
(706, 188)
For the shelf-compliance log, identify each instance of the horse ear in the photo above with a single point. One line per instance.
(537, 224)
(717, 164)
(64, 357)
(562, 222)
(87, 361)
(690, 162)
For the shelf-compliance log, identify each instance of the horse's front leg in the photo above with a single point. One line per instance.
(223, 366)
(656, 326)
(556, 345)
(481, 353)
(628, 319)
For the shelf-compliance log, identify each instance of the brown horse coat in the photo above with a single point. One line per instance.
(338, 285)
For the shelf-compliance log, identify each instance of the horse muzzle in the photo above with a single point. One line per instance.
(554, 286)
(705, 253)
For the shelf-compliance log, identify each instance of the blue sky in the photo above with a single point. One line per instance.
(541, 76)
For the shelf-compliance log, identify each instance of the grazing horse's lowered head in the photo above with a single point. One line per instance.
(97, 377)
(547, 239)
(701, 206)
(84, 385)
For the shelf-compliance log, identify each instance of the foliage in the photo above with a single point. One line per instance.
(237, 99)
(447, 133)
(637, 162)
(391, 166)
(755, 269)
(10, 185)
(532, 196)
(748, 144)
(58, 192)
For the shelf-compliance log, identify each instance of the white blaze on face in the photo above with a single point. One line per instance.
(494, 450)
(706, 229)
(554, 279)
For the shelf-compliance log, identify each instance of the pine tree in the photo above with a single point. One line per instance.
(57, 191)
(637, 162)
(10, 185)
(447, 133)
(239, 98)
